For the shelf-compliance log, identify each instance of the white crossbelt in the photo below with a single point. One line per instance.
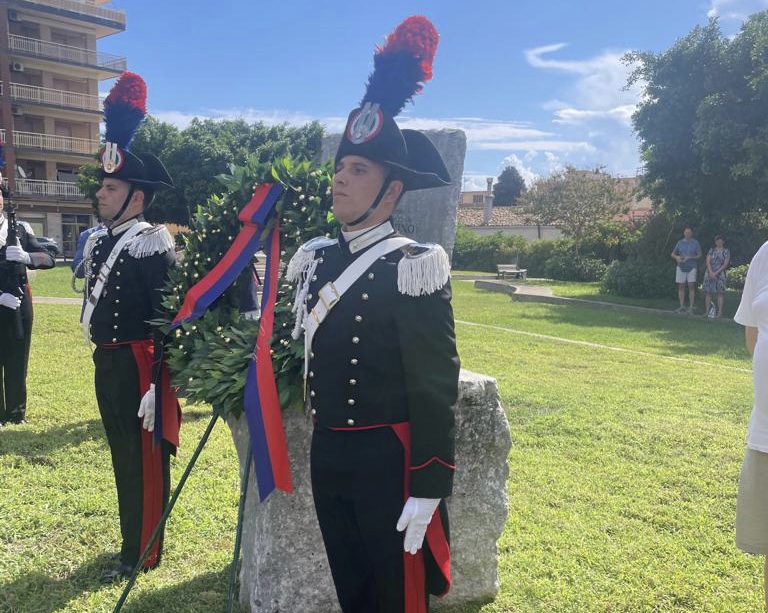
(330, 294)
(101, 279)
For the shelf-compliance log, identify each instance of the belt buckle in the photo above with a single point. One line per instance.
(328, 304)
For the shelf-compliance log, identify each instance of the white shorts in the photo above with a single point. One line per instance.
(682, 276)
(751, 503)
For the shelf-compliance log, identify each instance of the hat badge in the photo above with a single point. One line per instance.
(365, 124)
(111, 158)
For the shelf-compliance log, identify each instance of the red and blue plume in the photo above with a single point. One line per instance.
(2, 154)
(402, 65)
(125, 108)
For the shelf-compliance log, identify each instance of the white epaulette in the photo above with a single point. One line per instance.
(156, 239)
(302, 259)
(91, 241)
(423, 269)
(27, 228)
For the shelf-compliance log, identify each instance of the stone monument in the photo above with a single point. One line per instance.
(284, 567)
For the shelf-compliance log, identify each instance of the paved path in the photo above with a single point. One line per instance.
(55, 300)
(542, 293)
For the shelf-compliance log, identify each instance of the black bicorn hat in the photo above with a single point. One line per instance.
(124, 109)
(401, 66)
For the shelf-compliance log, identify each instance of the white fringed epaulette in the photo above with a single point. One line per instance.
(27, 228)
(156, 239)
(302, 259)
(91, 241)
(423, 269)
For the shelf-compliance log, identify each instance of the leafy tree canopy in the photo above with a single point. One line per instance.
(508, 188)
(581, 203)
(206, 148)
(703, 122)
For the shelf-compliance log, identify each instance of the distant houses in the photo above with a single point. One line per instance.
(477, 213)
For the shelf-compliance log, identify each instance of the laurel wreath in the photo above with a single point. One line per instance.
(209, 357)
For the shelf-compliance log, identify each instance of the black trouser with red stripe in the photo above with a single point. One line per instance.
(118, 394)
(357, 484)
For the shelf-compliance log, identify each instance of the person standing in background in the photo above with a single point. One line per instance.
(686, 253)
(718, 260)
(19, 250)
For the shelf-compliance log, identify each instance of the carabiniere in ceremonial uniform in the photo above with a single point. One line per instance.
(381, 362)
(126, 266)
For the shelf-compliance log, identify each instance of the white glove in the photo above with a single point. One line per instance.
(17, 254)
(10, 301)
(147, 409)
(416, 515)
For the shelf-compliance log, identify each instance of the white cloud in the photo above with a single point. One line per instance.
(539, 145)
(528, 174)
(599, 84)
(474, 181)
(268, 116)
(735, 10)
(621, 113)
(481, 133)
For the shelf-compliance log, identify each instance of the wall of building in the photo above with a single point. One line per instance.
(529, 233)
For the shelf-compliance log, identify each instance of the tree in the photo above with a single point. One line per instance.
(702, 123)
(508, 188)
(205, 149)
(578, 202)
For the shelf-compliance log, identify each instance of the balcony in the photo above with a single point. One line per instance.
(61, 190)
(48, 142)
(86, 8)
(65, 53)
(54, 97)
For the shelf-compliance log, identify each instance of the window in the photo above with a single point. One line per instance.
(478, 199)
(71, 227)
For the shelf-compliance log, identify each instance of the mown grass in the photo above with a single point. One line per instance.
(56, 282)
(591, 291)
(624, 466)
(622, 477)
(58, 510)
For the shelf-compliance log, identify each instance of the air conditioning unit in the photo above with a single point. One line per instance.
(17, 111)
(17, 67)
(13, 16)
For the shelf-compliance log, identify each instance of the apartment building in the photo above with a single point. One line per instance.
(50, 110)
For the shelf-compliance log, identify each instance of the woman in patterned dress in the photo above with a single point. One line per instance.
(718, 259)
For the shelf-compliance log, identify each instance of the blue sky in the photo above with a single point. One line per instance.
(534, 83)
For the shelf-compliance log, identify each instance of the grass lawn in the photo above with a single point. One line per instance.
(591, 291)
(622, 478)
(56, 282)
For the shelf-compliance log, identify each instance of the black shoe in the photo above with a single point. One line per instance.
(117, 573)
(18, 422)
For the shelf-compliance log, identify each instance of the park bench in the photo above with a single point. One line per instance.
(510, 270)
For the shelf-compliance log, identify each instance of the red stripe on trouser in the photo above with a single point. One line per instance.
(415, 574)
(151, 461)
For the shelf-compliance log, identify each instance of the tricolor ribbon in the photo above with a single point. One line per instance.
(262, 406)
(254, 218)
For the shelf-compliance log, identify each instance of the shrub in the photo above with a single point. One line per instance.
(639, 280)
(737, 275)
(536, 255)
(571, 267)
(472, 252)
